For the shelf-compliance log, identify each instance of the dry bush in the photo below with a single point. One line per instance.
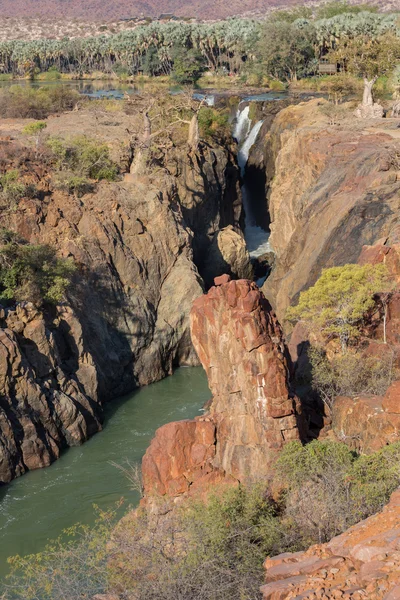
(350, 374)
(24, 102)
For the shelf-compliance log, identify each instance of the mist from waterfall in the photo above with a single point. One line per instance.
(256, 237)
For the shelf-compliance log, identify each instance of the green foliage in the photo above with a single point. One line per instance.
(34, 128)
(213, 122)
(26, 102)
(349, 374)
(237, 529)
(328, 488)
(74, 184)
(75, 564)
(340, 7)
(85, 157)
(188, 66)
(300, 12)
(53, 74)
(33, 273)
(11, 189)
(366, 56)
(337, 304)
(287, 50)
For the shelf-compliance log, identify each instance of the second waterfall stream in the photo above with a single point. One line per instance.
(256, 237)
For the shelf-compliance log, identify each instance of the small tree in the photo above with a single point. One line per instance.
(33, 273)
(188, 65)
(369, 58)
(35, 130)
(286, 50)
(337, 304)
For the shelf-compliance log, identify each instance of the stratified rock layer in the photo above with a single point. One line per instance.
(362, 563)
(252, 413)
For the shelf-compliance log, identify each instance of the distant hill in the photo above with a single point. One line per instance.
(123, 9)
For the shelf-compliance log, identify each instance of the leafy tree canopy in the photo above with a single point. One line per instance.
(337, 304)
(33, 273)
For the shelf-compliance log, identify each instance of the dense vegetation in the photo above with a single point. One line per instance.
(214, 550)
(23, 102)
(235, 45)
(337, 311)
(32, 272)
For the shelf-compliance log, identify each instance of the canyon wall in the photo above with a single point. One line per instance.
(330, 190)
(133, 244)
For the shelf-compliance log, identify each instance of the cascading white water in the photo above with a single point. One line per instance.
(243, 124)
(256, 237)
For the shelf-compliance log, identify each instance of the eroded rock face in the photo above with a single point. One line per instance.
(252, 413)
(367, 423)
(136, 282)
(228, 254)
(363, 562)
(48, 389)
(333, 191)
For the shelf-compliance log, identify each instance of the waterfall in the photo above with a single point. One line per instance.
(256, 237)
(243, 124)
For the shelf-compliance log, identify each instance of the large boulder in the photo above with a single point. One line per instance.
(228, 254)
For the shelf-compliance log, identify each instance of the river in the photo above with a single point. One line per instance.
(39, 505)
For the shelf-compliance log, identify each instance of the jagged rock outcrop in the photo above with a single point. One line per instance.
(240, 345)
(136, 280)
(363, 562)
(252, 413)
(48, 388)
(333, 191)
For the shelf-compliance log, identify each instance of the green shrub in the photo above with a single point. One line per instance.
(53, 74)
(73, 566)
(213, 122)
(26, 102)
(338, 303)
(74, 184)
(328, 488)
(83, 156)
(34, 128)
(33, 273)
(11, 189)
(349, 374)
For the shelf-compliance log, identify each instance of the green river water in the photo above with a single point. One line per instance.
(39, 505)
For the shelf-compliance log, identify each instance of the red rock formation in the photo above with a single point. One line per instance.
(240, 345)
(368, 423)
(252, 413)
(362, 563)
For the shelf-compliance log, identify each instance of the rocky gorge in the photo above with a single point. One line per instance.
(127, 323)
(166, 280)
